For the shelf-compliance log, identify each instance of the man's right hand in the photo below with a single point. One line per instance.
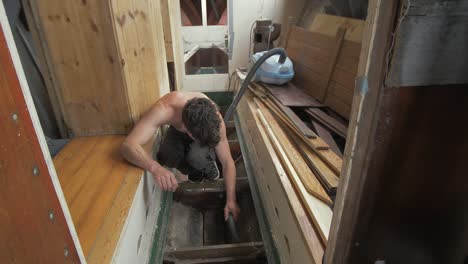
(164, 178)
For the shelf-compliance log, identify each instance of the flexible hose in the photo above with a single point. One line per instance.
(250, 75)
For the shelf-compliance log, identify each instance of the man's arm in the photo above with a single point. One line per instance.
(132, 147)
(229, 173)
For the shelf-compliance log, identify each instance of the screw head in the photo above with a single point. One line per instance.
(14, 117)
(35, 171)
(51, 215)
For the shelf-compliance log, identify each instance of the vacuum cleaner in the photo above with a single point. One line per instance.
(271, 66)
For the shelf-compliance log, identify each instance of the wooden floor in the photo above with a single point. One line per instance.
(99, 187)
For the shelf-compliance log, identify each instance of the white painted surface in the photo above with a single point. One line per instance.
(245, 12)
(136, 239)
(38, 130)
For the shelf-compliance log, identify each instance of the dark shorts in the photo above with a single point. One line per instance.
(180, 151)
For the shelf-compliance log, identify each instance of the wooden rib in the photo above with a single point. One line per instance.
(307, 177)
(318, 211)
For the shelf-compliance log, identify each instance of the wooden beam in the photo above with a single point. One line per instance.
(217, 251)
(328, 121)
(367, 96)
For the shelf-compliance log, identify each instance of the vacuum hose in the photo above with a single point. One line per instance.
(250, 75)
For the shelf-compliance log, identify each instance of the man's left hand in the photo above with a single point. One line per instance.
(231, 207)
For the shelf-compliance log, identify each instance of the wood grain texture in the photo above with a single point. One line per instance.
(325, 134)
(84, 59)
(367, 96)
(307, 177)
(328, 121)
(140, 41)
(26, 200)
(311, 52)
(99, 186)
(166, 21)
(289, 95)
(318, 211)
(43, 59)
(329, 24)
(428, 44)
(295, 236)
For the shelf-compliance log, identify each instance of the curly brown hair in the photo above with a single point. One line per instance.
(200, 117)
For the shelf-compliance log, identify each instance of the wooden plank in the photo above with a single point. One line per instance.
(289, 95)
(327, 176)
(32, 207)
(329, 24)
(177, 44)
(217, 251)
(316, 145)
(318, 211)
(324, 134)
(86, 65)
(296, 121)
(428, 44)
(140, 44)
(307, 177)
(376, 41)
(166, 21)
(288, 218)
(97, 184)
(328, 121)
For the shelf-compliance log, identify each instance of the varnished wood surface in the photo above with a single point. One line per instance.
(27, 199)
(99, 186)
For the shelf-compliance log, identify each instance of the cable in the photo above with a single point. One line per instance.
(250, 43)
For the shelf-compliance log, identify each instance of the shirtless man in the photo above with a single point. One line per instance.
(196, 136)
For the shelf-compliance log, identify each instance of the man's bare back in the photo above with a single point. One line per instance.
(169, 110)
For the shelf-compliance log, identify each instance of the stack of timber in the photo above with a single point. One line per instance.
(296, 173)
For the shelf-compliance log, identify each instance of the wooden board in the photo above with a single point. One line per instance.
(287, 218)
(325, 134)
(85, 64)
(328, 121)
(140, 42)
(377, 37)
(317, 145)
(307, 177)
(428, 44)
(98, 183)
(318, 211)
(289, 95)
(324, 72)
(329, 24)
(32, 208)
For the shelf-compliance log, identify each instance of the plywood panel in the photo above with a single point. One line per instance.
(84, 59)
(140, 42)
(28, 200)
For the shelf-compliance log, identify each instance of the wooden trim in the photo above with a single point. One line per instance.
(217, 251)
(361, 132)
(59, 232)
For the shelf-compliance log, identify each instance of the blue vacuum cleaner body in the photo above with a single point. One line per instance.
(272, 71)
